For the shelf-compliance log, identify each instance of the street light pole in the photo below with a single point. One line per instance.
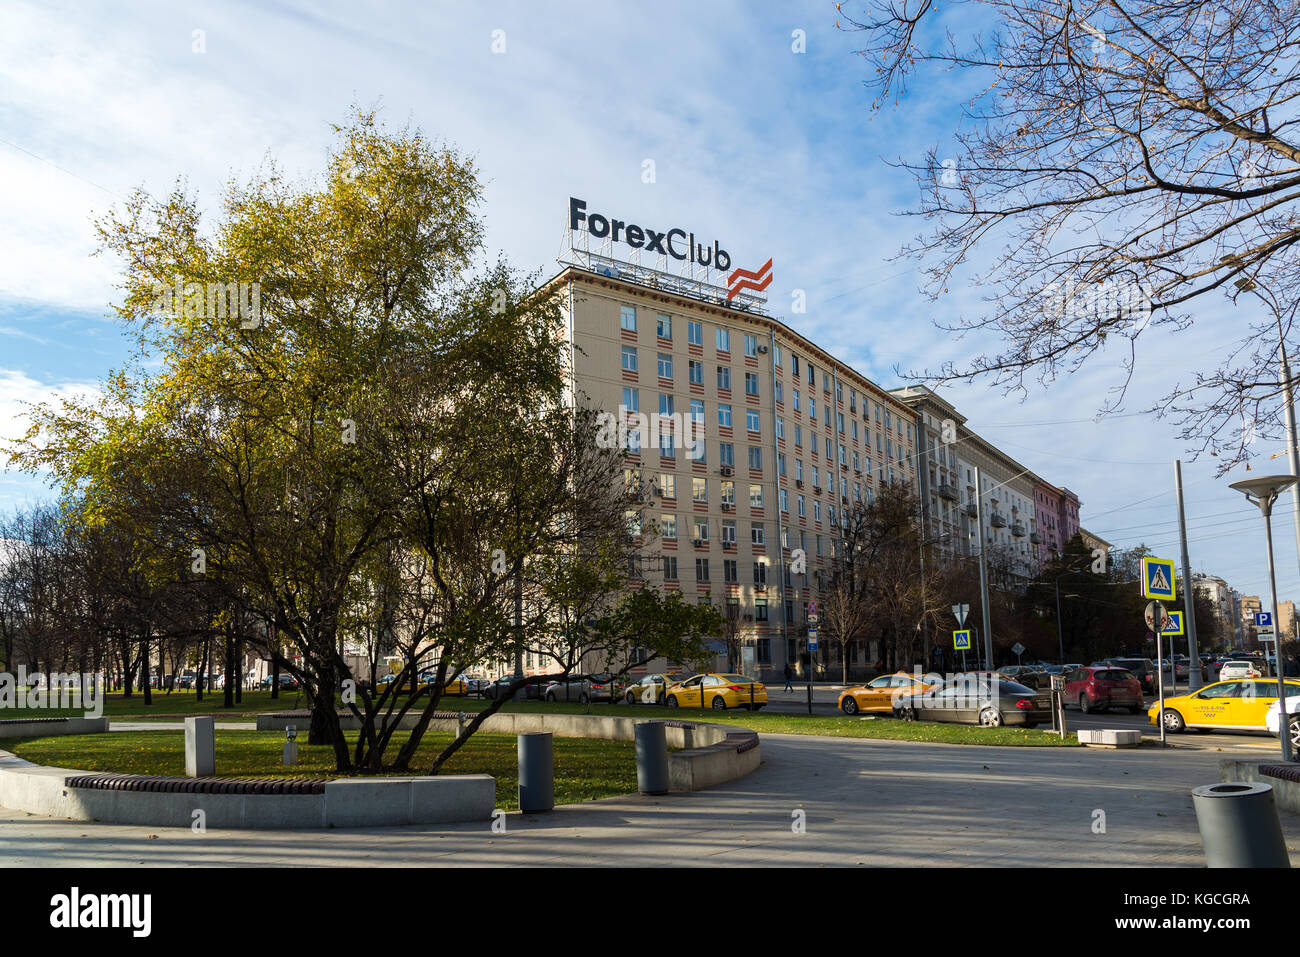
(1263, 492)
(1060, 632)
(1194, 681)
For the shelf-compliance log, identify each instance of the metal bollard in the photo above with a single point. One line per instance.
(536, 772)
(651, 757)
(1239, 825)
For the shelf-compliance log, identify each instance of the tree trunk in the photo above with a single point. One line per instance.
(147, 672)
(228, 683)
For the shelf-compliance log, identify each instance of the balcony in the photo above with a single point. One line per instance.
(1018, 530)
(1036, 538)
(947, 491)
(998, 520)
(970, 509)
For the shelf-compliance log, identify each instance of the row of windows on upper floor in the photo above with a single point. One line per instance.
(666, 487)
(666, 566)
(753, 346)
(753, 423)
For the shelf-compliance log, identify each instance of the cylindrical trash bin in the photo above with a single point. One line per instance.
(651, 757)
(536, 772)
(1239, 825)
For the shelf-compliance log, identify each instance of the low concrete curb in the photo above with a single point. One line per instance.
(1108, 738)
(1285, 779)
(48, 727)
(709, 753)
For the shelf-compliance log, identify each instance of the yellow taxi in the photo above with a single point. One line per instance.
(879, 694)
(717, 691)
(1236, 705)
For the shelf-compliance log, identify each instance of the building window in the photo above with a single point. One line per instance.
(695, 333)
(629, 358)
(701, 569)
(757, 535)
(665, 326)
(627, 317)
(670, 568)
(780, 427)
(729, 574)
(665, 403)
(724, 377)
(794, 396)
(665, 366)
(760, 609)
(668, 485)
(727, 454)
(702, 529)
(631, 399)
(668, 526)
(798, 470)
(760, 573)
(756, 496)
(783, 499)
(755, 457)
(751, 420)
(798, 436)
(764, 649)
(728, 532)
(723, 340)
(780, 392)
(780, 464)
(696, 372)
(751, 346)
(724, 414)
(751, 383)
(699, 489)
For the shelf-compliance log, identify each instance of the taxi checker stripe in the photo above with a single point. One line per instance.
(747, 284)
(745, 273)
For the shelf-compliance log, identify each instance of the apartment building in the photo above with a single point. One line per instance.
(950, 454)
(791, 437)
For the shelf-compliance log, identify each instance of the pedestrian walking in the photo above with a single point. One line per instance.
(789, 673)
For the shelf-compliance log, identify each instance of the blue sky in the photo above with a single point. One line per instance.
(772, 152)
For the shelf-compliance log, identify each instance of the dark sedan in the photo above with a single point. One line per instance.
(983, 698)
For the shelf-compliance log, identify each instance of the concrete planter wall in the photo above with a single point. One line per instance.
(1284, 779)
(47, 727)
(709, 754)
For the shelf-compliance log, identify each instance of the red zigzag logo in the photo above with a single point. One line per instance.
(742, 279)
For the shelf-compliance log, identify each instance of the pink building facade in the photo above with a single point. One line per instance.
(1057, 512)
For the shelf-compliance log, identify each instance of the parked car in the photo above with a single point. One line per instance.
(1096, 689)
(1293, 712)
(982, 698)
(649, 690)
(1144, 669)
(878, 694)
(1236, 704)
(287, 683)
(1239, 668)
(1037, 680)
(717, 691)
(474, 684)
(580, 688)
(498, 686)
(1014, 671)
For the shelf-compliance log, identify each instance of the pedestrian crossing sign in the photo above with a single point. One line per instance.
(1175, 623)
(1158, 578)
(961, 640)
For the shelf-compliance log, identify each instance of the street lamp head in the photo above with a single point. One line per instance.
(1262, 491)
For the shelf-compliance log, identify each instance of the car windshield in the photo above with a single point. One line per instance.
(1115, 675)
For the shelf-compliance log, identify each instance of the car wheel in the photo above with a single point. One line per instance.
(907, 713)
(672, 701)
(991, 718)
(1084, 706)
(1294, 725)
(849, 706)
(550, 698)
(1174, 721)
(631, 698)
(718, 703)
(582, 698)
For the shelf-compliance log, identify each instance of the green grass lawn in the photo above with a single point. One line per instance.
(585, 768)
(843, 726)
(166, 705)
(182, 703)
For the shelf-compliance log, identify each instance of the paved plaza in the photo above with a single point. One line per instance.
(861, 803)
